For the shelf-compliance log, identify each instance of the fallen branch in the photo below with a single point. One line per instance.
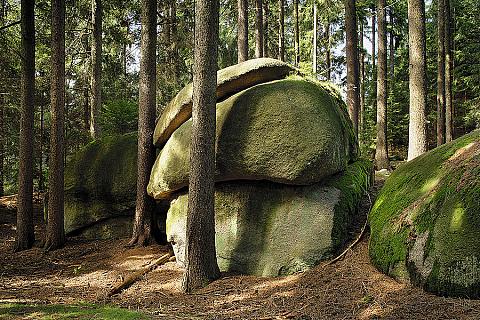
(140, 273)
(356, 240)
(10, 25)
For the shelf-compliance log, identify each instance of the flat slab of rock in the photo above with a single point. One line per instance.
(229, 81)
(100, 186)
(289, 131)
(269, 229)
(425, 224)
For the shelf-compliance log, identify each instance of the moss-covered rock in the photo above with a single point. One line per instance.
(229, 81)
(100, 187)
(270, 229)
(290, 131)
(425, 224)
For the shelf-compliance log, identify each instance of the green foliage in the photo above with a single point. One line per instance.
(119, 117)
(64, 311)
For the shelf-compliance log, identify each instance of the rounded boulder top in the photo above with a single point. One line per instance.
(230, 80)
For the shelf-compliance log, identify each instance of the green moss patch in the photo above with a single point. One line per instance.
(425, 224)
(80, 311)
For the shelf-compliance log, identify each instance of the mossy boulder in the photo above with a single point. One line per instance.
(425, 224)
(100, 188)
(229, 81)
(270, 229)
(291, 131)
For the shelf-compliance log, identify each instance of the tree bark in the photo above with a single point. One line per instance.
(96, 80)
(265, 28)
(242, 27)
(417, 131)
(374, 53)
(297, 34)
(201, 260)
(314, 49)
(281, 30)
(55, 234)
(353, 82)
(25, 233)
(381, 150)
(174, 39)
(392, 47)
(2, 144)
(441, 73)
(361, 114)
(258, 29)
(448, 73)
(328, 59)
(142, 227)
(41, 182)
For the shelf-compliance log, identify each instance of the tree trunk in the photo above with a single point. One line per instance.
(281, 30)
(353, 78)
(142, 227)
(25, 233)
(41, 182)
(242, 27)
(328, 59)
(2, 144)
(297, 35)
(448, 73)
(392, 47)
(201, 260)
(174, 54)
(265, 28)
(258, 29)
(55, 234)
(417, 131)
(314, 49)
(374, 52)
(96, 80)
(381, 151)
(361, 114)
(441, 73)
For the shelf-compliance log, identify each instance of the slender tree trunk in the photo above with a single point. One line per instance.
(374, 53)
(174, 39)
(281, 30)
(297, 35)
(55, 235)
(328, 59)
(417, 131)
(2, 144)
(41, 182)
(242, 27)
(448, 73)
(441, 73)
(201, 260)
(314, 49)
(96, 80)
(25, 233)
(142, 227)
(265, 28)
(392, 47)
(86, 109)
(353, 77)
(381, 151)
(258, 29)
(361, 115)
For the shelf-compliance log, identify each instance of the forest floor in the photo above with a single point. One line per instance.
(84, 272)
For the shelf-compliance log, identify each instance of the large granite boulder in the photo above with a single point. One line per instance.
(425, 224)
(229, 81)
(270, 229)
(291, 131)
(100, 188)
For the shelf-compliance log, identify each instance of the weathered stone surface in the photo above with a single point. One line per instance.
(229, 81)
(425, 224)
(289, 131)
(269, 229)
(100, 186)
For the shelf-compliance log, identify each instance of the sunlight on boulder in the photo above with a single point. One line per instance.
(457, 218)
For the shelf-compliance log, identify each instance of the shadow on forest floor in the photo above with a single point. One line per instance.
(84, 271)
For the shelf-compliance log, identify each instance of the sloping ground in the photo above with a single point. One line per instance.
(85, 270)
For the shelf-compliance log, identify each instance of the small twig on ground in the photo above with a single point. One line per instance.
(137, 275)
(356, 240)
